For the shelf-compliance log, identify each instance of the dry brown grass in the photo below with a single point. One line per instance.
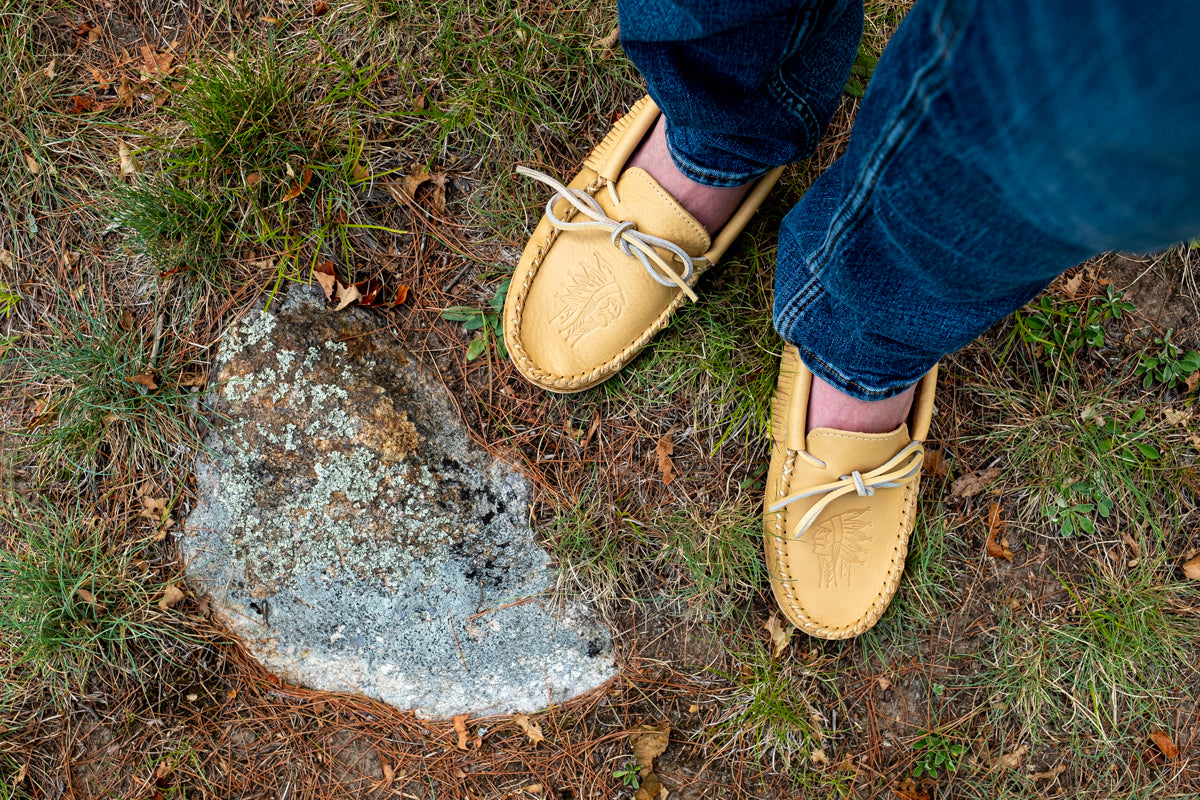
(196, 717)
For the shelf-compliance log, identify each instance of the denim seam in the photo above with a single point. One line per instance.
(810, 358)
(778, 88)
(897, 133)
(710, 177)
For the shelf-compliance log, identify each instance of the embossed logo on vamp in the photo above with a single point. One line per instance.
(591, 301)
(839, 543)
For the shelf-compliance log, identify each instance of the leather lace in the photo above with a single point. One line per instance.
(902, 469)
(625, 235)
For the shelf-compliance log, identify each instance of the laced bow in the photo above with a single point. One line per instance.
(903, 468)
(625, 235)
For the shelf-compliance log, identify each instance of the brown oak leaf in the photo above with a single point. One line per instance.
(973, 483)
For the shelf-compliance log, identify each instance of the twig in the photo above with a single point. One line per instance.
(158, 332)
(461, 658)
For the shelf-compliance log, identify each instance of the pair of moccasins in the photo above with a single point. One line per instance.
(611, 260)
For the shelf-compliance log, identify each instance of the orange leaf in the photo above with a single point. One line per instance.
(663, 451)
(460, 727)
(146, 380)
(995, 547)
(1163, 740)
(1192, 568)
(295, 191)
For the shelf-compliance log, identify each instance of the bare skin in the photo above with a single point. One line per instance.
(830, 408)
(712, 207)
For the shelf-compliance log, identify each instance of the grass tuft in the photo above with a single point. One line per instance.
(69, 598)
(91, 413)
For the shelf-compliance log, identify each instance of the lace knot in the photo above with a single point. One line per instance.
(625, 235)
(900, 470)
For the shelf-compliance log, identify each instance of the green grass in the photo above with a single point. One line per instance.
(718, 554)
(1107, 666)
(772, 712)
(71, 599)
(722, 353)
(93, 419)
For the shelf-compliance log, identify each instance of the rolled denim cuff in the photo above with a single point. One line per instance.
(691, 151)
(864, 366)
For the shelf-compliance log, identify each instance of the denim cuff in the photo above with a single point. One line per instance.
(698, 160)
(836, 347)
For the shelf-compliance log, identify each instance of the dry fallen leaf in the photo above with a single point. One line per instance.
(1191, 569)
(439, 192)
(90, 599)
(346, 295)
(884, 683)
(128, 165)
(49, 69)
(34, 165)
(650, 787)
(156, 63)
(996, 546)
(320, 8)
(1131, 543)
(663, 451)
(973, 483)
(648, 743)
(533, 788)
(411, 181)
(609, 42)
(389, 775)
(935, 462)
(818, 757)
(326, 277)
(145, 380)
(171, 597)
(1162, 740)
(1050, 774)
(7, 259)
(1014, 759)
(532, 730)
(781, 634)
(81, 104)
(360, 173)
(1192, 380)
(460, 727)
(155, 507)
(1072, 284)
(299, 187)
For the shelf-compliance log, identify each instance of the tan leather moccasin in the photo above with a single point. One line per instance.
(840, 507)
(611, 260)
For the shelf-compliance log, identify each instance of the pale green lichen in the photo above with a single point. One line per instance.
(286, 520)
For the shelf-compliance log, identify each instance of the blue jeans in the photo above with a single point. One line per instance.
(999, 143)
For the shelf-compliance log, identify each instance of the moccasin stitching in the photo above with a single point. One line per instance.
(895, 569)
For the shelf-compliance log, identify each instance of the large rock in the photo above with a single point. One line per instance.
(349, 532)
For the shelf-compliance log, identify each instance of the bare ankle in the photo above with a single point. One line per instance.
(829, 407)
(711, 206)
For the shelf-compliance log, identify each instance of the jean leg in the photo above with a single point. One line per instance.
(744, 86)
(998, 145)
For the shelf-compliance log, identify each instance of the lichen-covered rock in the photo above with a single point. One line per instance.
(349, 532)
